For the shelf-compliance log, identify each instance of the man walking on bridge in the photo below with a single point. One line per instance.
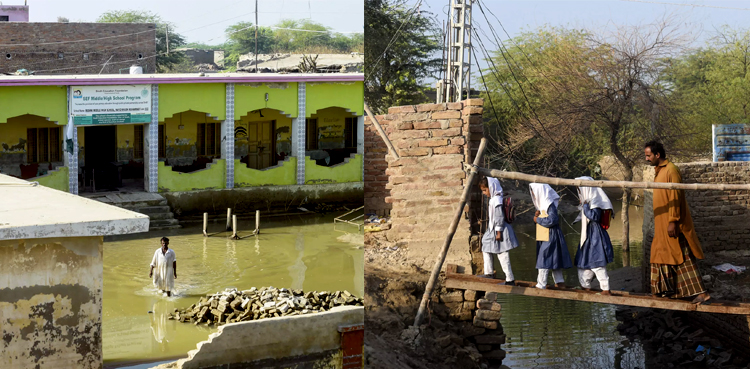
(675, 247)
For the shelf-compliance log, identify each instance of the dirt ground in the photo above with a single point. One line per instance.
(393, 291)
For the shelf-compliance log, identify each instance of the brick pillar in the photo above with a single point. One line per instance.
(426, 183)
(374, 168)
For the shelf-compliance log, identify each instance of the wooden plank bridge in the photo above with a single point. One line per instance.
(453, 279)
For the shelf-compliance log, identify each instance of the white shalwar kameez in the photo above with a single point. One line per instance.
(163, 265)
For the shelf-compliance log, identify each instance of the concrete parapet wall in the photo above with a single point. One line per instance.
(425, 185)
(300, 341)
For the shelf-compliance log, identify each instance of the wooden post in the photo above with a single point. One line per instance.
(229, 219)
(257, 222)
(205, 224)
(381, 132)
(234, 227)
(448, 238)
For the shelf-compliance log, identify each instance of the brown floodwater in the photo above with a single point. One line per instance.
(304, 252)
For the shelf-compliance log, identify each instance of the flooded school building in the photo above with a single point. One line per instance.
(269, 137)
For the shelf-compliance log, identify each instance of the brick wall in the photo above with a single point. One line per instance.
(721, 220)
(375, 166)
(426, 183)
(39, 48)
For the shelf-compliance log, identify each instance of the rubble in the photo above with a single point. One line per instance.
(374, 223)
(232, 305)
(672, 342)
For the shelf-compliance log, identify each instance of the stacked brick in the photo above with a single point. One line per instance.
(77, 48)
(375, 166)
(425, 184)
(484, 312)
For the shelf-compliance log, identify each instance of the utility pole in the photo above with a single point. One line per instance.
(457, 84)
(167, 39)
(256, 36)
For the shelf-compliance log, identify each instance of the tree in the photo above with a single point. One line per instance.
(712, 84)
(164, 61)
(400, 44)
(573, 94)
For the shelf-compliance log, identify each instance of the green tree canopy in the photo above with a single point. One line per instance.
(164, 61)
(400, 44)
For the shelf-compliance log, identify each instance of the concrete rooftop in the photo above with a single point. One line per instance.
(40, 212)
(129, 79)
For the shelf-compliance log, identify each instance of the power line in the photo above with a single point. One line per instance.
(395, 35)
(687, 4)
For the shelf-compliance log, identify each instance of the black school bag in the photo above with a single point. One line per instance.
(508, 210)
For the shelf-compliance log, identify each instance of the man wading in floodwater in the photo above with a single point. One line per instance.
(674, 271)
(165, 263)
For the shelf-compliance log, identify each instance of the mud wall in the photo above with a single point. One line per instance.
(266, 342)
(434, 142)
(50, 303)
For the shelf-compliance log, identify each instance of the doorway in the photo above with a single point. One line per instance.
(261, 145)
(101, 170)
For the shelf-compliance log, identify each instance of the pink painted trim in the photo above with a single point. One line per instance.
(157, 79)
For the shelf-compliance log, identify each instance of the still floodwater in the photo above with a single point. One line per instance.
(300, 253)
(551, 333)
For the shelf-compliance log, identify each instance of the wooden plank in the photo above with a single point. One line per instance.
(470, 282)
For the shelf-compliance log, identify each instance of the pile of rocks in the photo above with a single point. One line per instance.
(483, 311)
(670, 342)
(488, 317)
(232, 305)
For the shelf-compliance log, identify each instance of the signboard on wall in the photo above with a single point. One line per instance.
(93, 105)
(731, 142)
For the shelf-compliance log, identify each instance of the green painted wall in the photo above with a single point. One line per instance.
(179, 97)
(252, 96)
(344, 172)
(57, 179)
(213, 177)
(45, 101)
(348, 95)
(283, 174)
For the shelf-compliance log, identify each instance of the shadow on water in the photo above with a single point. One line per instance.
(552, 333)
(302, 253)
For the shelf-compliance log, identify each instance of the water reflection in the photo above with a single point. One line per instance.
(551, 333)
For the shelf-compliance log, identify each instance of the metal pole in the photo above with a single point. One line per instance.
(229, 219)
(167, 39)
(381, 132)
(451, 231)
(256, 36)
(205, 224)
(257, 221)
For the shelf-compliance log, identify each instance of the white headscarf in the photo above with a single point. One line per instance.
(495, 188)
(543, 196)
(496, 195)
(596, 198)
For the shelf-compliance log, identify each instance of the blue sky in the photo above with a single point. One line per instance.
(700, 20)
(205, 21)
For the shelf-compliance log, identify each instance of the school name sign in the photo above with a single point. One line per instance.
(92, 105)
